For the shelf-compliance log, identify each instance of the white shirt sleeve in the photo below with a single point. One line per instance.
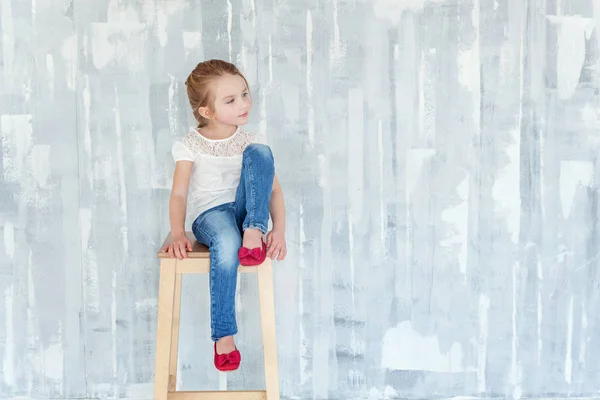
(181, 152)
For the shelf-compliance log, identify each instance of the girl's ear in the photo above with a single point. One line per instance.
(204, 112)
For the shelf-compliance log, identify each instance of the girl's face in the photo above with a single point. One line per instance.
(232, 101)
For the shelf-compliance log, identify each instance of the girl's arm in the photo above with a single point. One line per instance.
(177, 207)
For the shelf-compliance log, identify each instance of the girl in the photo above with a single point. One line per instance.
(229, 177)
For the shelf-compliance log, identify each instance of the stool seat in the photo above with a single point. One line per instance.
(190, 265)
(167, 331)
(198, 249)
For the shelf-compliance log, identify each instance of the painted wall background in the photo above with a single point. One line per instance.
(440, 166)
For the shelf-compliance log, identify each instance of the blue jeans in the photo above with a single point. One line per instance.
(221, 229)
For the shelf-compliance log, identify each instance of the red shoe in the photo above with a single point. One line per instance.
(251, 258)
(227, 362)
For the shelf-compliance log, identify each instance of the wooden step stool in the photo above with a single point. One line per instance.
(167, 332)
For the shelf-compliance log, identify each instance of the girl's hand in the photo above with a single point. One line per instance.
(178, 247)
(276, 247)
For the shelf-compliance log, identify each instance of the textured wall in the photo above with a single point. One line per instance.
(439, 163)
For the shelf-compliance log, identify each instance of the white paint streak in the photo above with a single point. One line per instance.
(126, 51)
(49, 361)
(336, 24)
(50, 69)
(409, 351)
(8, 361)
(40, 164)
(262, 128)
(32, 335)
(16, 131)
(87, 102)
(572, 34)
(392, 10)
(506, 191)
(458, 217)
(146, 304)
(229, 26)
(303, 347)
(164, 12)
(92, 284)
(355, 153)
(121, 11)
(270, 60)
(468, 67)
(515, 367)
(222, 380)
(416, 159)
(8, 36)
(323, 362)
(387, 393)
(584, 336)
(572, 175)
(253, 9)
(121, 174)
(512, 170)
(309, 53)
(380, 159)
(173, 103)
(427, 96)
(590, 116)
(53, 357)
(540, 280)
(482, 344)
(569, 344)
(355, 174)
(113, 330)
(141, 390)
(191, 41)
(469, 62)
(309, 83)
(68, 51)
(9, 239)
(337, 51)
(85, 227)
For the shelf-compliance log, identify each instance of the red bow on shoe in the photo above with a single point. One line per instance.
(252, 257)
(229, 361)
(252, 253)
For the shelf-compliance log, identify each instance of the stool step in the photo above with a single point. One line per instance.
(219, 395)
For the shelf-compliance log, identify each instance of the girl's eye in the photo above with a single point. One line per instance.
(230, 101)
(245, 94)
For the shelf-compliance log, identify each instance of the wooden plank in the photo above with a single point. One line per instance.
(220, 395)
(175, 335)
(267, 319)
(166, 292)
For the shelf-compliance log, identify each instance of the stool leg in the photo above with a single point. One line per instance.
(267, 319)
(175, 335)
(166, 294)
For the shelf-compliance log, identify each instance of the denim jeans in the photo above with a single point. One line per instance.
(221, 229)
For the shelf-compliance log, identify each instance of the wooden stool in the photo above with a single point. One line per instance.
(167, 332)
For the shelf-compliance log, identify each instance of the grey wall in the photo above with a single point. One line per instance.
(439, 161)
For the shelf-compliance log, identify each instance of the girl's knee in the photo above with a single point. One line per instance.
(258, 150)
(226, 249)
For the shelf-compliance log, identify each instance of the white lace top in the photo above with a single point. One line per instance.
(217, 167)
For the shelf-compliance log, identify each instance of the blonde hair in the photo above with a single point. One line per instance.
(198, 85)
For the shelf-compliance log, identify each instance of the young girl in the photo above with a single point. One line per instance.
(229, 177)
